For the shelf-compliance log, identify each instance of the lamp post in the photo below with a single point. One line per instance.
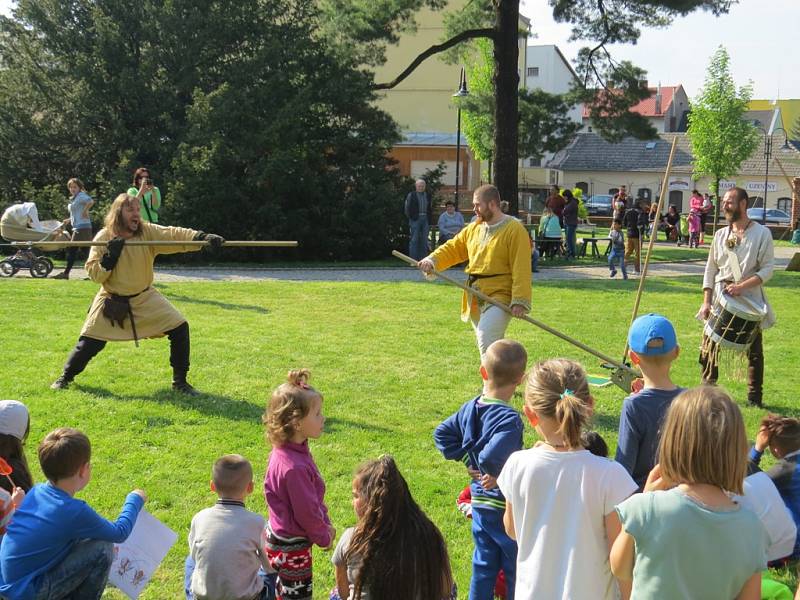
(767, 156)
(461, 93)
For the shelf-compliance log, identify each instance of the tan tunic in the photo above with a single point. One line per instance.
(133, 274)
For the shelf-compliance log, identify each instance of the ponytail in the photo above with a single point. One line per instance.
(572, 413)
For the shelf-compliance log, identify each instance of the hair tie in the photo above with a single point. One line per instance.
(566, 392)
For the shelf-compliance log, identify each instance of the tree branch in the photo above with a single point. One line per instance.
(469, 34)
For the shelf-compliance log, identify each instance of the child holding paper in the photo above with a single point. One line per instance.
(57, 546)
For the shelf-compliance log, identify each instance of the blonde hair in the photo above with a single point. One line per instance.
(113, 221)
(704, 441)
(77, 182)
(290, 402)
(505, 362)
(557, 389)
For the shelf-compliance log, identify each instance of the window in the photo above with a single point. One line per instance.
(584, 187)
(785, 204)
(676, 200)
(533, 71)
(645, 193)
(535, 162)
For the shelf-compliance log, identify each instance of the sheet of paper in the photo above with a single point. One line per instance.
(138, 557)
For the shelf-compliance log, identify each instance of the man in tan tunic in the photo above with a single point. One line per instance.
(127, 307)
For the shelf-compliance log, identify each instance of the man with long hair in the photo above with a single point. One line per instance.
(127, 307)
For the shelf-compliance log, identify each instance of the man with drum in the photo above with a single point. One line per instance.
(740, 262)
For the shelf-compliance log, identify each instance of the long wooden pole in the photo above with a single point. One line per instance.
(653, 236)
(531, 320)
(226, 243)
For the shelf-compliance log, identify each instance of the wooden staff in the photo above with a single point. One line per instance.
(653, 235)
(623, 376)
(226, 243)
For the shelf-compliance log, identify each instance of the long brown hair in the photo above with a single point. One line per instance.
(12, 450)
(402, 553)
(114, 222)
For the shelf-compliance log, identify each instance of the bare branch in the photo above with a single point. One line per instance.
(469, 34)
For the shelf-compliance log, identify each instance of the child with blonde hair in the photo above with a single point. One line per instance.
(293, 487)
(560, 497)
(685, 537)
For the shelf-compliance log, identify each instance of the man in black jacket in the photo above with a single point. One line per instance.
(635, 222)
(419, 211)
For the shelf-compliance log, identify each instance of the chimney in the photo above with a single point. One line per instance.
(658, 99)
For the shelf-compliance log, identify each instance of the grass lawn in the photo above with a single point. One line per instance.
(392, 360)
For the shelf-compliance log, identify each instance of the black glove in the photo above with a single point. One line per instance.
(113, 252)
(213, 239)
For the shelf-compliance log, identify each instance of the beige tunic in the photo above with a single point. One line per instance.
(133, 274)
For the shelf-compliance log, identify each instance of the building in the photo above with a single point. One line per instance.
(423, 104)
(790, 113)
(600, 167)
(667, 109)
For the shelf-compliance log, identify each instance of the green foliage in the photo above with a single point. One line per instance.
(721, 139)
(245, 133)
(478, 108)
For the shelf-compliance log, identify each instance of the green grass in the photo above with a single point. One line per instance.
(392, 360)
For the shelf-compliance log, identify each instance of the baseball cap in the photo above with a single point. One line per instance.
(652, 334)
(13, 418)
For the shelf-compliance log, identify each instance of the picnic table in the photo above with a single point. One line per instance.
(586, 241)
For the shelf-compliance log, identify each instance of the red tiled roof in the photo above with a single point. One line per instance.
(647, 107)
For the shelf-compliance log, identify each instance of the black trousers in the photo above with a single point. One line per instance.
(87, 348)
(78, 235)
(755, 370)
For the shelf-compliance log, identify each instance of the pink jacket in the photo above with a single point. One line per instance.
(694, 223)
(696, 203)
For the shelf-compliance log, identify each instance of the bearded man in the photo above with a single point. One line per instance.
(740, 262)
(127, 307)
(498, 250)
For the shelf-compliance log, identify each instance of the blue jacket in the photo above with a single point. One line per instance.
(44, 529)
(482, 434)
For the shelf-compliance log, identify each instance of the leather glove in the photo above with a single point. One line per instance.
(214, 240)
(113, 251)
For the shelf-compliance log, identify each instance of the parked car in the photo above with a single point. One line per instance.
(774, 216)
(600, 205)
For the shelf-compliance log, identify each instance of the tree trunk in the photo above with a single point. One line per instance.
(506, 114)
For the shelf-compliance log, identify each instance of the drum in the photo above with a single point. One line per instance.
(734, 322)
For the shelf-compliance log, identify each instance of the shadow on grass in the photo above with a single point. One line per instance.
(334, 424)
(226, 305)
(209, 404)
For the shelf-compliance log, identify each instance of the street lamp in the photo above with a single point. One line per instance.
(767, 156)
(461, 93)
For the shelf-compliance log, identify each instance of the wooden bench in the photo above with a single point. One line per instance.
(595, 250)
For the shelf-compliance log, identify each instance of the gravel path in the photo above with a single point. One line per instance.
(172, 274)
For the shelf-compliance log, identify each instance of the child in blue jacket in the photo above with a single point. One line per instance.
(483, 434)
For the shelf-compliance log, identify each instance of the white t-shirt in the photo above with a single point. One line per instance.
(559, 502)
(763, 498)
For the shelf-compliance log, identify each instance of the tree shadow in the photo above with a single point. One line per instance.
(209, 404)
(216, 303)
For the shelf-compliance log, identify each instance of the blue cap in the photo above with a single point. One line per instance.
(652, 334)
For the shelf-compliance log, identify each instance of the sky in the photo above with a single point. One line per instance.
(754, 32)
(762, 50)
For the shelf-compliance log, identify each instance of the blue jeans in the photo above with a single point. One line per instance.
(494, 550)
(571, 231)
(418, 245)
(534, 259)
(268, 593)
(614, 256)
(82, 575)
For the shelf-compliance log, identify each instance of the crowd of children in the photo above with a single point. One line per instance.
(557, 520)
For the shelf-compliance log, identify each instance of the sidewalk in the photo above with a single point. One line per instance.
(170, 274)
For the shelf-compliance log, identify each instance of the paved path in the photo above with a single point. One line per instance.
(169, 274)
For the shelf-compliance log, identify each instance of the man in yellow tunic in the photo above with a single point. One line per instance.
(127, 307)
(498, 249)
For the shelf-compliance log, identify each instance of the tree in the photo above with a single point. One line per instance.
(246, 134)
(721, 139)
(498, 20)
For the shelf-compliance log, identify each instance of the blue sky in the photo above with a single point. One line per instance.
(758, 34)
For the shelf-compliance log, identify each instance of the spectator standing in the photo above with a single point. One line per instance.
(419, 212)
(148, 194)
(555, 202)
(450, 222)
(635, 221)
(620, 203)
(694, 229)
(80, 221)
(570, 218)
(617, 249)
(706, 212)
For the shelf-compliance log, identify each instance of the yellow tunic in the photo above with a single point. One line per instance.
(133, 274)
(499, 254)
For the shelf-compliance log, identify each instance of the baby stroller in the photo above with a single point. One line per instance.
(26, 258)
